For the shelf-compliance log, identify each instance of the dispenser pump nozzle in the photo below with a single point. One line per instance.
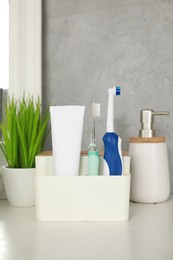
(147, 121)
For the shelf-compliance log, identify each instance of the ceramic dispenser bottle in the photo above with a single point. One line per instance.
(150, 179)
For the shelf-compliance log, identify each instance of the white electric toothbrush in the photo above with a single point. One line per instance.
(93, 154)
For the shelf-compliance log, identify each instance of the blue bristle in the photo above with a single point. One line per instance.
(118, 90)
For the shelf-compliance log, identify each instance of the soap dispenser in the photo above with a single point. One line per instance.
(150, 179)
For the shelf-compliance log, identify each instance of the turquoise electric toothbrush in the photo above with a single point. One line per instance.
(93, 154)
(112, 142)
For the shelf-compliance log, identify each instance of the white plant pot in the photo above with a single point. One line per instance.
(19, 186)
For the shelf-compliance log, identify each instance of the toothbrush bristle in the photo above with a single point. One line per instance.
(95, 109)
(117, 90)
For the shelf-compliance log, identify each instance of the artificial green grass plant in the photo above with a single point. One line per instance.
(24, 130)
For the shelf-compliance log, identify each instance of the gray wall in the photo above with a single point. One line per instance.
(90, 46)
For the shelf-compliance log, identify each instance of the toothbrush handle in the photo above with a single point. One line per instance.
(112, 154)
(93, 163)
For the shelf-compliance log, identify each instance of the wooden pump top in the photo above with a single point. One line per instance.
(147, 139)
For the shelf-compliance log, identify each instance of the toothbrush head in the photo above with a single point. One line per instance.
(95, 109)
(117, 91)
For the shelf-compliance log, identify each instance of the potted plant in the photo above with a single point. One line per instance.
(24, 131)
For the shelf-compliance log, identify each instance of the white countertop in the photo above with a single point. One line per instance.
(147, 235)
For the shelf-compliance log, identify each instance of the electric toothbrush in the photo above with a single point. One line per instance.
(113, 163)
(93, 154)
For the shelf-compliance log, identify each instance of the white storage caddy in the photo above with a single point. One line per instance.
(79, 198)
